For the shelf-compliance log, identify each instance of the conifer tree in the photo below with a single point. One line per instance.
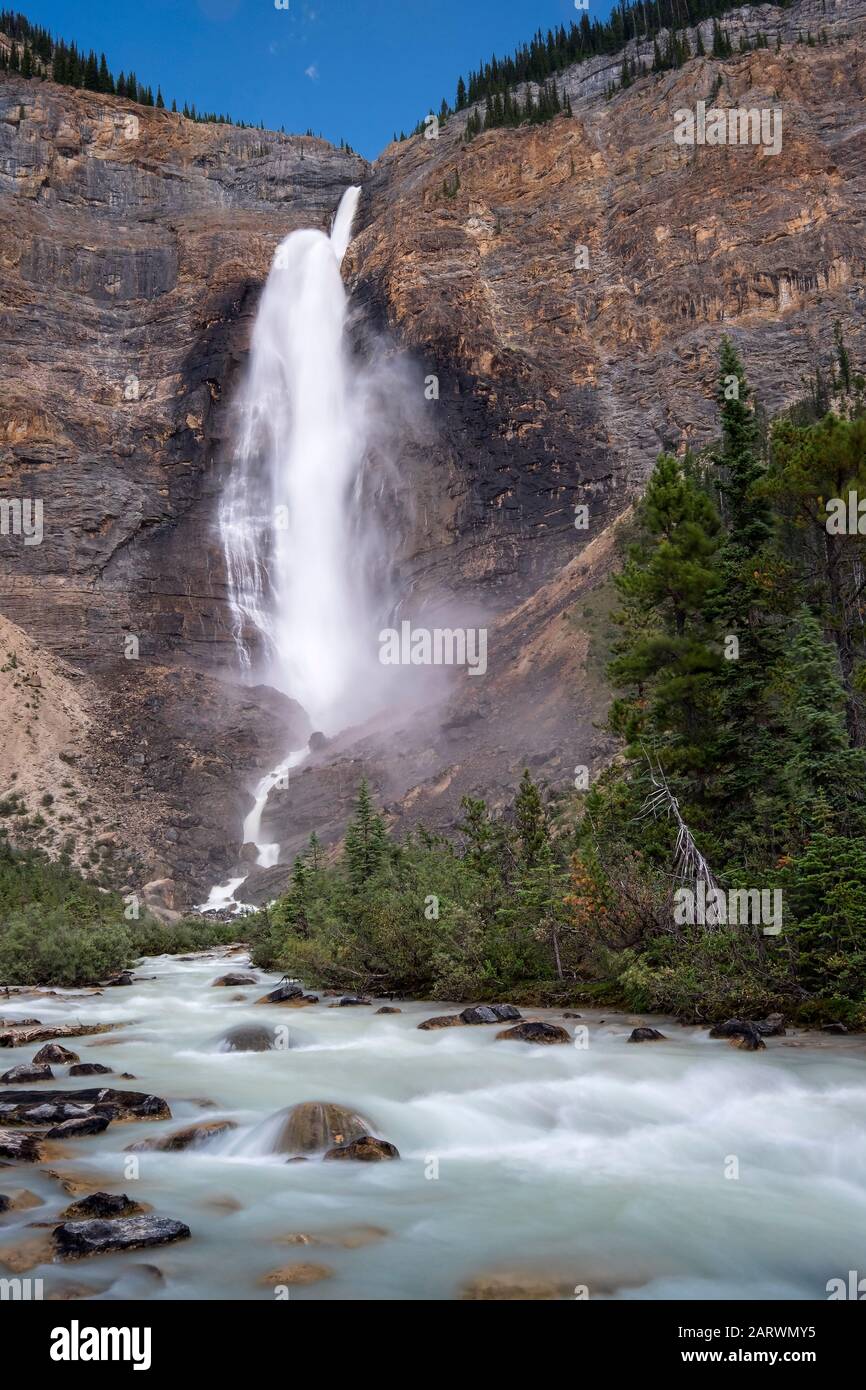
(366, 840)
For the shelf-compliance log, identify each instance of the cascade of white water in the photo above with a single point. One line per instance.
(289, 523)
(294, 543)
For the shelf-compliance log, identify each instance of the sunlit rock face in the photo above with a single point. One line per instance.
(566, 285)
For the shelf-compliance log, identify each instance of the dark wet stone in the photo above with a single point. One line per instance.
(105, 1206)
(482, 1014)
(534, 1031)
(387, 1009)
(833, 1028)
(80, 1128)
(26, 1072)
(639, 1035)
(441, 1021)
(234, 981)
(504, 1012)
(75, 1239)
(57, 1053)
(89, 1069)
(24, 1148)
(283, 994)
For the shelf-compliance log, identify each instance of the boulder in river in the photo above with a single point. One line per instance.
(15, 1144)
(747, 1042)
(367, 1149)
(283, 994)
(192, 1137)
(838, 1028)
(773, 1026)
(315, 1125)
(351, 1001)
(532, 1030)
(298, 1275)
(18, 1106)
(248, 1037)
(75, 1239)
(57, 1053)
(104, 1206)
(441, 1021)
(482, 1014)
(387, 1009)
(90, 1069)
(234, 981)
(732, 1027)
(22, 1035)
(506, 1012)
(639, 1035)
(80, 1128)
(27, 1071)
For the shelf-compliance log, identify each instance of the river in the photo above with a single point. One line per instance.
(600, 1167)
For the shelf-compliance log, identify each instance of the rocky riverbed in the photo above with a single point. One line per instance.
(483, 1157)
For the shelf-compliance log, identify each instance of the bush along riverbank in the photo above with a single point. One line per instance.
(717, 867)
(56, 928)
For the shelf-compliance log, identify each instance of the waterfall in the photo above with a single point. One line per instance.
(300, 537)
(295, 542)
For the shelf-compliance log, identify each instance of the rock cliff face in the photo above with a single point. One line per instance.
(567, 284)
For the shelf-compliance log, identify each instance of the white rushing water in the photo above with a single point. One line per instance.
(295, 534)
(602, 1166)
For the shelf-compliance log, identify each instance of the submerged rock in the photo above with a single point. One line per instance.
(441, 1021)
(248, 1037)
(367, 1149)
(354, 1238)
(747, 1042)
(639, 1035)
(315, 1125)
(534, 1031)
(234, 981)
(75, 1239)
(90, 1069)
(351, 1001)
(105, 1206)
(27, 1072)
(25, 1200)
(192, 1137)
(516, 1287)
(386, 1009)
(56, 1052)
(300, 1274)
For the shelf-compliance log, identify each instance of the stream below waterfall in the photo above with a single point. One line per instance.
(603, 1166)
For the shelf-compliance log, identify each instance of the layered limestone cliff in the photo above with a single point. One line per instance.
(566, 284)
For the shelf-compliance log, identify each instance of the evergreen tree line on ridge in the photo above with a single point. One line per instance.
(35, 53)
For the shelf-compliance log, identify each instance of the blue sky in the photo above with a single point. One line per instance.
(357, 69)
